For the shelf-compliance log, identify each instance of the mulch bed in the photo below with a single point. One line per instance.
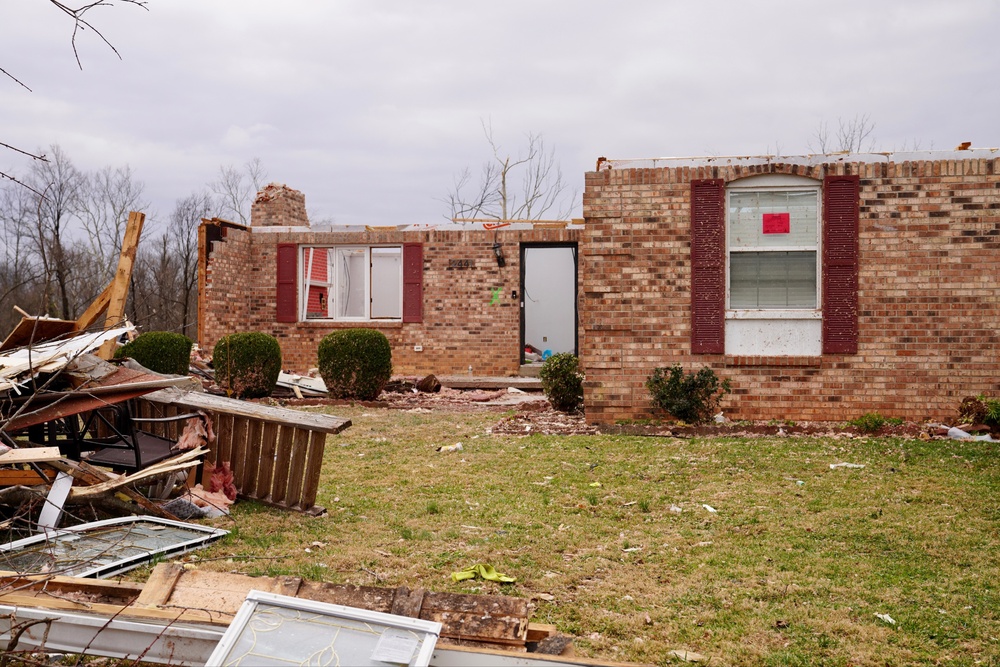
(534, 415)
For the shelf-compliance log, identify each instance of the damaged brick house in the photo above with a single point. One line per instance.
(451, 299)
(824, 287)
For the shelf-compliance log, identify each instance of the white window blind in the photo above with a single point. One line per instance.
(773, 248)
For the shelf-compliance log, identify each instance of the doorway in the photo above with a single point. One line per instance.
(548, 300)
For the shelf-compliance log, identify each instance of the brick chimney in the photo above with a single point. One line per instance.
(277, 205)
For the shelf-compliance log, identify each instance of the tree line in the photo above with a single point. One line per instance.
(61, 229)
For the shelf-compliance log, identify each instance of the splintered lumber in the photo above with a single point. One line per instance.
(89, 474)
(118, 293)
(183, 461)
(185, 609)
(94, 310)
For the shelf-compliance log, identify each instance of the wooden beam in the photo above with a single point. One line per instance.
(119, 286)
(30, 455)
(94, 310)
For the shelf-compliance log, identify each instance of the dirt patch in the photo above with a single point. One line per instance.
(534, 415)
(452, 399)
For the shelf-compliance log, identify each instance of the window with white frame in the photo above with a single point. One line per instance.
(773, 266)
(352, 283)
(773, 248)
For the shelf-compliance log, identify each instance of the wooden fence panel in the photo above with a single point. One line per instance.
(276, 454)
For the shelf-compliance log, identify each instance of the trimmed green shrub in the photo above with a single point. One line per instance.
(355, 363)
(690, 397)
(247, 364)
(562, 381)
(159, 351)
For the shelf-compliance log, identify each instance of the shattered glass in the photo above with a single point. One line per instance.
(104, 548)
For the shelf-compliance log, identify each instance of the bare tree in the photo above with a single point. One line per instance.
(165, 287)
(183, 243)
(853, 136)
(20, 272)
(155, 286)
(108, 197)
(61, 186)
(235, 190)
(540, 191)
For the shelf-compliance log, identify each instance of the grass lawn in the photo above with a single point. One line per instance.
(610, 536)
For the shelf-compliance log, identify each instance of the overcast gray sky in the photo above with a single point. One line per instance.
(371, 108)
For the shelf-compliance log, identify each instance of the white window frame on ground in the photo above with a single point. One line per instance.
(335, 295)
(774, 330)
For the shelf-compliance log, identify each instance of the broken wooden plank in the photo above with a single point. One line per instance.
(406, 602)
(160, 584)
(158, 470)
(119, 285)
(94, 310)
(30, 455)
(220, 593)
(497, 620)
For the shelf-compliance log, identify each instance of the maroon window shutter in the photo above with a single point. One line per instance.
(287, 301)
(840, 264)
(413, 282)
(708, 267)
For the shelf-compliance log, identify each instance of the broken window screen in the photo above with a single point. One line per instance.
(104, 548)
(280, 630)
(769, 270)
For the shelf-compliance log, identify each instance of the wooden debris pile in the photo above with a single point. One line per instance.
(175, 596)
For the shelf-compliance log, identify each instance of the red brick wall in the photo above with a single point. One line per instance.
(929, 301)
(460, 327)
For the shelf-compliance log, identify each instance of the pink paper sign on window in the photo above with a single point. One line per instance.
(776, 223)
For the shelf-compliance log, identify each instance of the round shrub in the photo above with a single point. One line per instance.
(355, 363)
(159, 351)
(562, 381)
(247, 364)
(690, 397)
